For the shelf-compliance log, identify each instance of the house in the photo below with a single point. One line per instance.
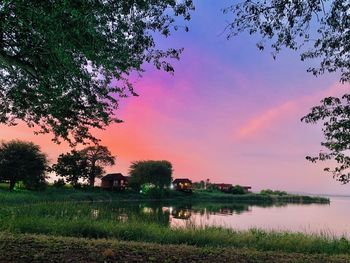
(224, 187)
(114, 181)
(183, 184)
(246, 188)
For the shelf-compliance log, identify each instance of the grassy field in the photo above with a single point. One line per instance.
(37, 248)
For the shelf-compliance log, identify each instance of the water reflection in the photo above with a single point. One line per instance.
(278, 216)
(162, 213)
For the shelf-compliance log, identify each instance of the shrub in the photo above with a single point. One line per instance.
(60, 183)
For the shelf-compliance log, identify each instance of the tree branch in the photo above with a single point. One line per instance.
(10, 61)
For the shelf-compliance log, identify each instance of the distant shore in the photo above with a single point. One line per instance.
(98, 195)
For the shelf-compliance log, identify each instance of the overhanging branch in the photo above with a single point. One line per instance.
(10, 61)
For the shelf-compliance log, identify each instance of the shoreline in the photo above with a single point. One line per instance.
(97, 195)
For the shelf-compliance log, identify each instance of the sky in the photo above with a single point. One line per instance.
(230, 113)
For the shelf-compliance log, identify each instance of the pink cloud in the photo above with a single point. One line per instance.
(275, 116)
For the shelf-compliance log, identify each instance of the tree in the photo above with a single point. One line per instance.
(318, 28)
(64, 64)
(158, 173)
(335, 115)
(22, 161)
(237, 190)
(97, 157)
(73, 167)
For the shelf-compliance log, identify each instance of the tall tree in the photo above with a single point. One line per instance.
(158, 173)
(22, 161)
(97, 157)
(73, 167)
(64, 64)
(319, 29)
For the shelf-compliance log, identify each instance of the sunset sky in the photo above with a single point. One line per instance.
(229, 113)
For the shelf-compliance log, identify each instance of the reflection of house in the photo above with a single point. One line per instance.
(224, 187)
(181, 213)
(183, 184)
(114, 181)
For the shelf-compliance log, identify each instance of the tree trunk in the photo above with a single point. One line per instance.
(12, 184)
(92, 175)
(92, 180)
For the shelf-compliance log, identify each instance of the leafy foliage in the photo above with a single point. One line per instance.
(59, 183)
(97, 157)
(85, 165)
(319, 28)
(158, 173)
(73, 167)
(237, 190)
(273, 192)
(64, 64)
(23, 161)
(335, 115)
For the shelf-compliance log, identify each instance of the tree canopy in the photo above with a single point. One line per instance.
(158, 173)
(97, 157)
(73, 167)
(22, 161)
(85, 165)
(65, 64)
(318, 28)
(335, 115)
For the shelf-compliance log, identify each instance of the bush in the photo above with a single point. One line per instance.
(272, 192)
(237, 190)
(60, 183)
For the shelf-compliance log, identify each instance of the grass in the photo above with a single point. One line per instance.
(74, 217)
(38, 248)
(58, 195)
(108, 220)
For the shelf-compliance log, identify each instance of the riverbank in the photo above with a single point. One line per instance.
(39, 248)
(98, 195)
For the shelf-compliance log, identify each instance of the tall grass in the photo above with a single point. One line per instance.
(111, 221)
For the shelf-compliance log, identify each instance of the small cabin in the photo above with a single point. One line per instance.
(224, 187)
(114, 181)
(183, 184)
(246, 188)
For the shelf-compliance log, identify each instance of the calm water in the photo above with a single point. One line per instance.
(331, 219)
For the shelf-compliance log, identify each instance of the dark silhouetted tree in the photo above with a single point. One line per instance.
(158, 173)
(97, 158)
(23, 161)
(64, 64)
(73, 167)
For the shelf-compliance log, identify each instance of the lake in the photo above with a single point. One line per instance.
(331, 219)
